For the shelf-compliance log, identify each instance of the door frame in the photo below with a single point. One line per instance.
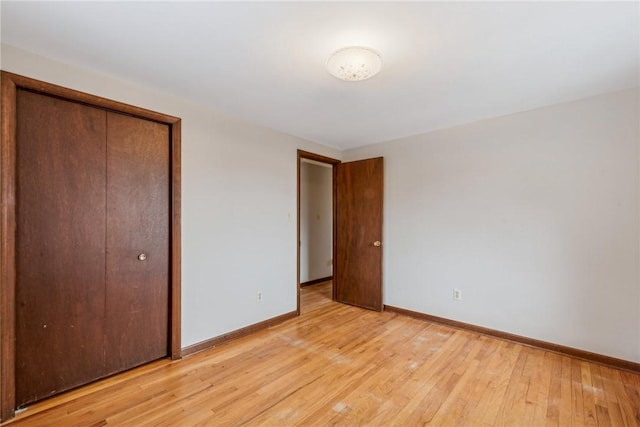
(10, 83)
(333, 162)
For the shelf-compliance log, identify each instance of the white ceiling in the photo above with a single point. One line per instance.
(444, 63)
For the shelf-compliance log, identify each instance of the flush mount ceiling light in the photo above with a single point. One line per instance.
(354, 63)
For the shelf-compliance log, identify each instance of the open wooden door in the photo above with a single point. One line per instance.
(358, 263)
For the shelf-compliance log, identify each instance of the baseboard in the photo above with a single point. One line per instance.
(316, 281)
(234, 335)
(569, 351)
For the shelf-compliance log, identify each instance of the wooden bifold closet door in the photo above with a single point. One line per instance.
(92, 244)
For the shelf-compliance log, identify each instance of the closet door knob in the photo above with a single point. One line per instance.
(142, 256)
(377, 243)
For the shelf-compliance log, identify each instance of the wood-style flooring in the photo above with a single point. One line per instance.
(341, 365)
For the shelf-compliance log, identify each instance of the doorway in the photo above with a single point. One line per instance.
(357, 205)
(316, 220)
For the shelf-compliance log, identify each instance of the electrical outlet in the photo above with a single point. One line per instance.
(457, 294)
(259, 296)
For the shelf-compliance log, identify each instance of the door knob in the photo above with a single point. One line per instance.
(377, 243)
(142, 256)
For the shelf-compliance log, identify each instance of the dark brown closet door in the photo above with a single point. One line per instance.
(137, 300)
(60, 239)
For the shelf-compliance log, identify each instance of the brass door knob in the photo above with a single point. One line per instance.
(142, 256)
(377, 243)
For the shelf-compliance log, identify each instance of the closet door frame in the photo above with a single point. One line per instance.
(9, 85)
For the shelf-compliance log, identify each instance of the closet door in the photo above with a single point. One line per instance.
(60, 240)
(137, 270)
(92, 244)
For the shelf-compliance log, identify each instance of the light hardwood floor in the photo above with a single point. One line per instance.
(340, 365)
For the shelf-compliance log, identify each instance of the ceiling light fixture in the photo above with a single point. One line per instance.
(354, 63)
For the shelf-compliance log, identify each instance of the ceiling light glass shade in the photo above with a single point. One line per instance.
(354, 63)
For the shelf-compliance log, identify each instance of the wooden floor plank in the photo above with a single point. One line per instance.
(341, 365)
(588, 395)
(555, 389)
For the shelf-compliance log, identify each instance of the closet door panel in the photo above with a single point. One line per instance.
(60, 238)
(137, 299)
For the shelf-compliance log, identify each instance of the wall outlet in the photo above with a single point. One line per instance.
(457, 294)
(259, 296)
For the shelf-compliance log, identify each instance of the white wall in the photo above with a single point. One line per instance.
(316, 221)
(238, 203)
(534, 216)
